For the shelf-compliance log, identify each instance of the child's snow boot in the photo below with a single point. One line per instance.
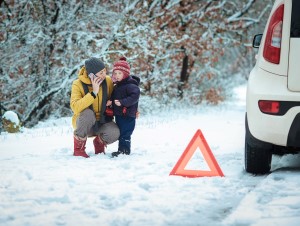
(123, 151)
(99, 145)
(79, 147)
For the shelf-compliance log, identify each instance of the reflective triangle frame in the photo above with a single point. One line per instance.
(198, 140)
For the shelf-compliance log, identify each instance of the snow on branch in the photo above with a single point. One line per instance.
(45, 96)
(237, 15)
(266, 9)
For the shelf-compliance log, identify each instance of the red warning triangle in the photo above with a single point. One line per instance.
(198, 141)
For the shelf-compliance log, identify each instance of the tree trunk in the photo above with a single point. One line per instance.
(184, 75)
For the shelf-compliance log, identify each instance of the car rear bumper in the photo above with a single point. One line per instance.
(275, 129)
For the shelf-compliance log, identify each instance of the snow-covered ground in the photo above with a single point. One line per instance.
(41, 183)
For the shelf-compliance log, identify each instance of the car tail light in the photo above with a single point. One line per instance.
(269, 106)
(273, 37)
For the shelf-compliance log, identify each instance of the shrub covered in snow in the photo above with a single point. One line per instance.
(11, 122)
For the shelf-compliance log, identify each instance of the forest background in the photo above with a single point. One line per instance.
(185, 52)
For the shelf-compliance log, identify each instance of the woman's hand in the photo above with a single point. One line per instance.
(96, 81)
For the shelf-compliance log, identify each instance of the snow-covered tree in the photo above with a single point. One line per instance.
(186, 47)
(180, 49)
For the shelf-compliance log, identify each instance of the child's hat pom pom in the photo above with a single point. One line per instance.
(123, 58)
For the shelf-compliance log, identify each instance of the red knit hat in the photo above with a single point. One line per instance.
(122, 65)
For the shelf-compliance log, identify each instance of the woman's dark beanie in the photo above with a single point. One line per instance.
(93, 65)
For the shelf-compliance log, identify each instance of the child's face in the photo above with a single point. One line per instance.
(118, 75)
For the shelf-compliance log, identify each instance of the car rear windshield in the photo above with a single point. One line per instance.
(295, 24)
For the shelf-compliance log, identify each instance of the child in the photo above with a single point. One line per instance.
(124, 101)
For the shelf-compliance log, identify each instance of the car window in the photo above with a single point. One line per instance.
(295, 23)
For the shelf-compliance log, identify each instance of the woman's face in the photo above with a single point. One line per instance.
(101, 74)
(118, 75)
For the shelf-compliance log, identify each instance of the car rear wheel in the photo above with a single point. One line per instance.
(258, 154)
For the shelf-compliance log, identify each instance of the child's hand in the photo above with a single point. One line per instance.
(117, 102)
(108, 103)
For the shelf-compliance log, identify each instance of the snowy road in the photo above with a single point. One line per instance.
(41, 183)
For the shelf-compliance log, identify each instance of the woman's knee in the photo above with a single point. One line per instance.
(85, 122)
(87, 116)
(109, 132)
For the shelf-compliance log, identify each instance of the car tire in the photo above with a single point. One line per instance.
(258, 154)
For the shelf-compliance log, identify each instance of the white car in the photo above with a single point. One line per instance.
(273, 90)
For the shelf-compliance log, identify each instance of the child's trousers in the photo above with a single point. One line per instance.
(126, 126)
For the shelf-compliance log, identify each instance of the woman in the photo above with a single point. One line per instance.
(90, 92)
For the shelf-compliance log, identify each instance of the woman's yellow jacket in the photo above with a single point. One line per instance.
(80, 101)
